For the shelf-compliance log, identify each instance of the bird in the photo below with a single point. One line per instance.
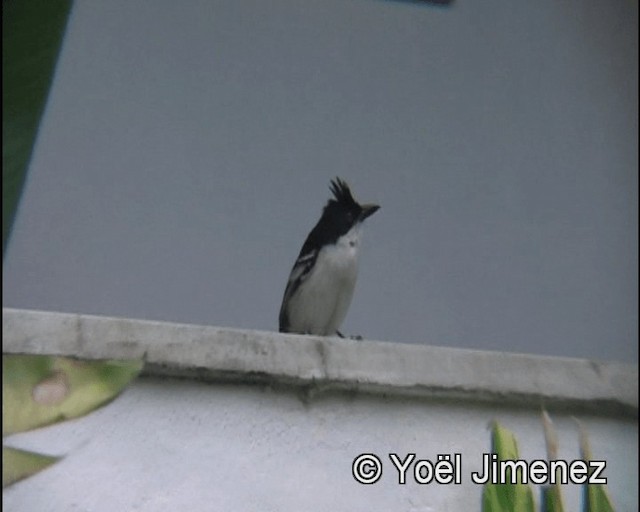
(321, 284)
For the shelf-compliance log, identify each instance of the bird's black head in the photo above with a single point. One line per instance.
(344, 209)
(340, 214)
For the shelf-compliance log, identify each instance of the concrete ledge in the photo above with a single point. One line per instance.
(319, 364)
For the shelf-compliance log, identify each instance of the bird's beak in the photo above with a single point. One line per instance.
(368, 210)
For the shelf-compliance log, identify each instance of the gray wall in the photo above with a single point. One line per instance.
(187, 148)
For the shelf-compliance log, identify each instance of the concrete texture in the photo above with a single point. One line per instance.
(321, 364)
(281, 419)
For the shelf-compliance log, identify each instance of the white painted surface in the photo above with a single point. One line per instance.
(287, 443)
(169, 445)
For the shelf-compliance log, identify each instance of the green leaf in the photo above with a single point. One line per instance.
(506, 497)
(40, 390)
(19, 464)
(552, 498)
(32, 32)
(551, 494)
(503, 442)
(596, 498)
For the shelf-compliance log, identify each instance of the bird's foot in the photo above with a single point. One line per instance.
(357, 337)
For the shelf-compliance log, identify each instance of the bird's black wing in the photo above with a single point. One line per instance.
(300, 271)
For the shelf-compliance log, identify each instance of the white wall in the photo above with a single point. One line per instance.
(171, 445)
(287, 441)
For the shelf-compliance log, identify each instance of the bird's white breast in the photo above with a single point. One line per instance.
(320, 306)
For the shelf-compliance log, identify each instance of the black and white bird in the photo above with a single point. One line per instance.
(323, 277)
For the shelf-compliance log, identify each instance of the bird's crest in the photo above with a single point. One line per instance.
(341, 192)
